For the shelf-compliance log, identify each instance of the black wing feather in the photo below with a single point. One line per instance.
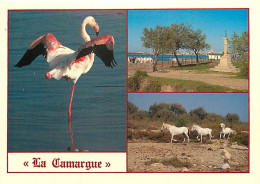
(107, 56)
(31, 54)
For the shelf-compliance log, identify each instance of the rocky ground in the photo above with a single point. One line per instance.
(219, 156)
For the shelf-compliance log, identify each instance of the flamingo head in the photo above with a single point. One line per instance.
(96, 27)
(92, 23)
(48, 75)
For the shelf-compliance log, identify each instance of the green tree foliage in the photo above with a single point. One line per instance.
(176, 35)
(198, 114)
(239, 44)
(171, 39)
(232, 118)
(183, 120)
(154, 39)
(132, 108)
(166, 112)
(177, 109)
(196, 42)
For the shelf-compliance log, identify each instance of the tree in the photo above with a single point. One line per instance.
(196, 42)
(132, 108)
(153, 38)
(176, 36)
(198, 114)
(239, 45)
(161, 111)
(232, 118)
(177, 109)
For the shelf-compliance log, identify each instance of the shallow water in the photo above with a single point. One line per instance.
(37, 107)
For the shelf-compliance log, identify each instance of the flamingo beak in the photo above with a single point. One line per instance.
(96, 27)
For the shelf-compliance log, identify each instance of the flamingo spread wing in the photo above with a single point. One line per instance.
(102, 47)
(67, 63)
(41, 46)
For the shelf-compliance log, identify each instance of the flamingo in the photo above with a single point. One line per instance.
(67, 63)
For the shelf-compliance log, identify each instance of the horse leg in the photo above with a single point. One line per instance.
(172, 138)
(188, 137)
(198, 137)
(220, 136)
(201, 138)
(228, 136)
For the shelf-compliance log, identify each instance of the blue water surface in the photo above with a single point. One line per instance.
(168, 57)
(37, 107)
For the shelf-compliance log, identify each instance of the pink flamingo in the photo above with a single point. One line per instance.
(68, 63)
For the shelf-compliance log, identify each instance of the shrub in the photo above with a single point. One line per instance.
(176, 163)
(172, 161)
(153, 86)
(240, 138)
(134, 81)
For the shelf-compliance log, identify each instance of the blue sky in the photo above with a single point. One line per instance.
(213, 23)
(219, 103)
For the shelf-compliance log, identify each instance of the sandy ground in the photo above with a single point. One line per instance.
(217, 78)
(202, 157)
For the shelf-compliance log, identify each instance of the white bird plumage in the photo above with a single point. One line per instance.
(67, 63)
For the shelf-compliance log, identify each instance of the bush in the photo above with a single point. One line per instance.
(134, 81)
(172, 161)
(240, 138)
(244, 70)
(153, 86)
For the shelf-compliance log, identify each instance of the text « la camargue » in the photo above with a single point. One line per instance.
(57, 163)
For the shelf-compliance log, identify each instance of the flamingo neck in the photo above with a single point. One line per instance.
(83, 32)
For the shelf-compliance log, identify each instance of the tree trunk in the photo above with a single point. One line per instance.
(155, 62)
(162, 62)
(177, 59)
(197, 57)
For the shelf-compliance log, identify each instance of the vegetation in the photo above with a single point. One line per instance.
(239, 47)
(146, 125)
(134, 81)
(175, 162)
(165, 40)
(154, 84)
(196, 42)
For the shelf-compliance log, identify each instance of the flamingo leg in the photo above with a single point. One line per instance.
(69, 111)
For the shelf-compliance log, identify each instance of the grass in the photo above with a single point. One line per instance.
(199, 68)
(170, 162)
(186, 85)
(154, 84)
(243, 66)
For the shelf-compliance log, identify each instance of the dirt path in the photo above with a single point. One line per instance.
(202, 157)
(212, 78)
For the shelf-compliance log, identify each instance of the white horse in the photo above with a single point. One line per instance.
(176, 131)
(225, 131)
(202, 131)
